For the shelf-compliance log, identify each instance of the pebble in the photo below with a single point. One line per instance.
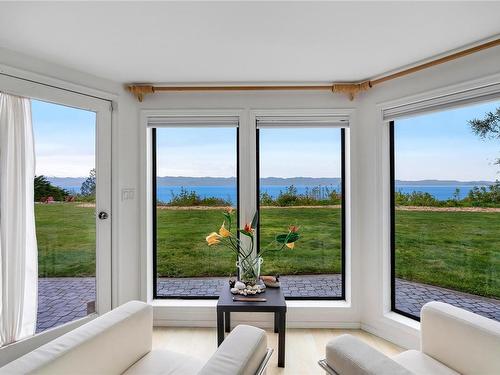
(239, 285)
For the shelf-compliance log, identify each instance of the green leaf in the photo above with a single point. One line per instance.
(289, 237)
(246, 233)
(255, 219)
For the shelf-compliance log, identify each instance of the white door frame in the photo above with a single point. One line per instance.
(103, 110)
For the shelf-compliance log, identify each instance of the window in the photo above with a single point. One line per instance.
(445, 203)
(301, 182)
(195, 169)
(298, 166)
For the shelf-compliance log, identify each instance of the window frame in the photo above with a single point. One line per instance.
(448, 97)
(392, 200)
(154, 213)
(342, 297)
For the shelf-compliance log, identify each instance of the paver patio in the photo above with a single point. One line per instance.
(410, 297)
(61, 300)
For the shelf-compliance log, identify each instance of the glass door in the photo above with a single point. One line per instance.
(72, 217)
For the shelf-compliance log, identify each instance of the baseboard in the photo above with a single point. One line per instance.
(397, 336)
(257, 323)
(297, 317)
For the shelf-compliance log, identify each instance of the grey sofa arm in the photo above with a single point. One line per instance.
(243, 352)
(347, 355)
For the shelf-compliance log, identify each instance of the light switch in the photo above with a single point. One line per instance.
(128, 194)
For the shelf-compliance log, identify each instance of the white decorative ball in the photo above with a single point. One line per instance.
(239, 285)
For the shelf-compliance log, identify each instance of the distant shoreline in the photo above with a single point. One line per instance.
(399, 208)
(75, 182)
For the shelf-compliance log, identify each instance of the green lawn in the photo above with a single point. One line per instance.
(66, 240)
(459, 250)
(317, 251)
(182, 250)
(181, 247)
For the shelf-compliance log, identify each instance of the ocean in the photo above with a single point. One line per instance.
(228, 193)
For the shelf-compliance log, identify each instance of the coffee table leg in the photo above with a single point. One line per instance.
(281, 339)
(228, 321)
(220, 327)
(276, 322)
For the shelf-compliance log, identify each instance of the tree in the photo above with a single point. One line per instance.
(88, 186)
(43, 189)
(488, 127)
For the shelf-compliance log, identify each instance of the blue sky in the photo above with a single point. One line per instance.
(64, 140)
(196, 152)
(433, 146)
(313, 152)
(442, 146)
(202, 152)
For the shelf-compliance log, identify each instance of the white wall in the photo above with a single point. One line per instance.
(368, 167)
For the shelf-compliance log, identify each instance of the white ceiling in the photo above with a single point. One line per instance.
(242, 41)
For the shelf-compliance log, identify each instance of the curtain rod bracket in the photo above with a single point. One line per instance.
(351, 89)
(140, 90)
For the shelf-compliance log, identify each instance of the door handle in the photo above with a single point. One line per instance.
(103, 215)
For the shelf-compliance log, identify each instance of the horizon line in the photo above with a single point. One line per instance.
(295, 177)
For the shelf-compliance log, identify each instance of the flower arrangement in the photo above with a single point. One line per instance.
(248, 261)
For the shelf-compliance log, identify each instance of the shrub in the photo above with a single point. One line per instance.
(484, 196)
(43, 189)
(287, 198)
(190, 198)
(266, 199)
(415, 198)
(316, 196)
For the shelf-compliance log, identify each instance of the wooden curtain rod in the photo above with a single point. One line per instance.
(350, 89)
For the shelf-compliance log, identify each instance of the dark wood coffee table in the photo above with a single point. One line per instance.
(275, 304)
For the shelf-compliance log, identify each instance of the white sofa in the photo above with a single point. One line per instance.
(453, 341)
(119, 342)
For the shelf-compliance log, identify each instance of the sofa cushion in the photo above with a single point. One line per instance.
(348, 355)
(165, 362)
(421, 364)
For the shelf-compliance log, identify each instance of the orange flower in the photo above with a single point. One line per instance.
(223, 231)
(229, 210)
(248, 228)
(293, 228)
(290, 245)
(213, 239)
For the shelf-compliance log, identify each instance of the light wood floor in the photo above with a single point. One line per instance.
(304, 347)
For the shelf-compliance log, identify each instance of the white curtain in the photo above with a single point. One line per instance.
(18, 248)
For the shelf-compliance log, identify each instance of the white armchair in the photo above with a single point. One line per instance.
(453, 341)
(119, 342)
